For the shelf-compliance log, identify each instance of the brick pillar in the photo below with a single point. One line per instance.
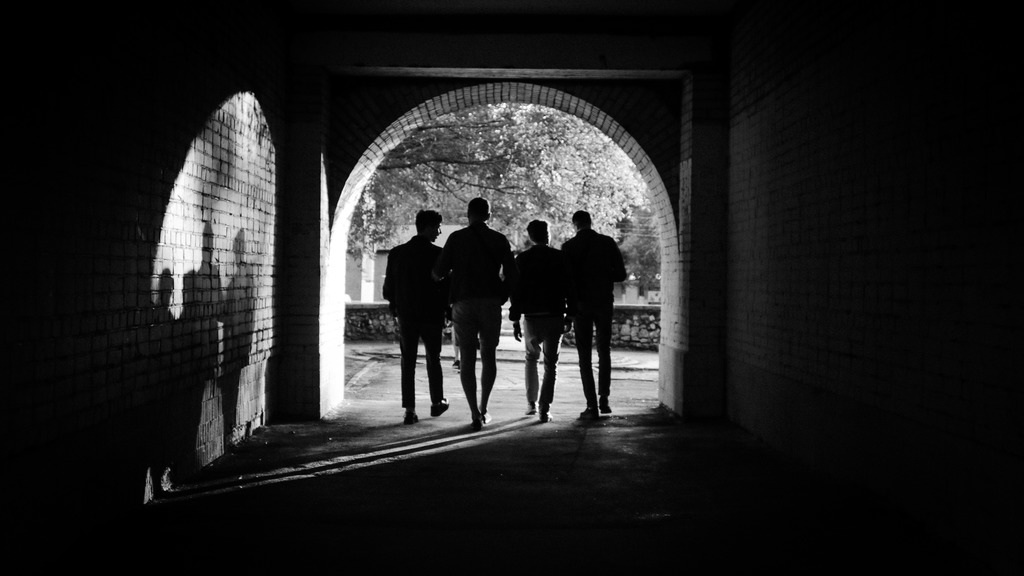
(305, 232)
(703, 208)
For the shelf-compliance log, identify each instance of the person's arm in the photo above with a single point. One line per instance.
(443, 265)
(568, 287)
(618, 267)
(516, 299)
(570, 252)
(509, 267)
(440, 288)
(444, 288)
(389, 283)
(515, 307)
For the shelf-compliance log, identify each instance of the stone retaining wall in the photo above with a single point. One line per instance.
(636, 326)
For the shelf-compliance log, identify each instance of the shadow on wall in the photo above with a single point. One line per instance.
(216, 327)
(212, 327)
(185, 367)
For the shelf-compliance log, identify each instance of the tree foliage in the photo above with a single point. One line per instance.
(530, 162)
(641, 249)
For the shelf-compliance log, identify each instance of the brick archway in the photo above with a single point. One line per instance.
(495, 93)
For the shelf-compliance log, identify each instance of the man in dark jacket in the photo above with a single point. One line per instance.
(544, 300)
(479, 262)
(419, 303)
(596, 264)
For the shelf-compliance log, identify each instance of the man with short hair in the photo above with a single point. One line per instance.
(596, 264)
(545, 302)
(479, 262)
(419, 304)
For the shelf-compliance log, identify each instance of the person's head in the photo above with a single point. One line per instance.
(166, 288)
(479, 210)
(538, 231)
(581, 220)
(428, 223)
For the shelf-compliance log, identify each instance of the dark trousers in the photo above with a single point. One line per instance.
(411, 333)
(593, 329)
(542, 336)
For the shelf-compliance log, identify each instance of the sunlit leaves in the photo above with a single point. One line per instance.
(640, 248)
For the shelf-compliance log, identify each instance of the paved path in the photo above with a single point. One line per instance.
(636, 491)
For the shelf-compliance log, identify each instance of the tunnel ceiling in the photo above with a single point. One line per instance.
(521, 39)
(528, 7)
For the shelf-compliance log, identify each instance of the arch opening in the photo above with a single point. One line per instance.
(497, 93)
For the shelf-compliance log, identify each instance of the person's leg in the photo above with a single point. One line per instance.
(409, 345)
(455, 350)
(431, 335)
(551, 341)
(603, 343)
(465, 328)
(532, 341)
(489, 313)
(584, 332)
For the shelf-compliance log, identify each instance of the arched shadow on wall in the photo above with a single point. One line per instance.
(210, 318)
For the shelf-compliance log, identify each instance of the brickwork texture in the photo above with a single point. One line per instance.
(871, 207)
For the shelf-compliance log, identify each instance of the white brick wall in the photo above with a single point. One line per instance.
(219, 228)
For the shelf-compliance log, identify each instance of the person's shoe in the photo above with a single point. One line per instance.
(411, 418)
(590, 413)
(439, 408)
(476, 425)
(545, 417)
(604, 407)
(457, 365)
(532, 410)
(485, 417)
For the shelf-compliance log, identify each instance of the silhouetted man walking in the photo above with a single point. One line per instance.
(483, 272)
(596, 264)
(419, 303)
(544, 300)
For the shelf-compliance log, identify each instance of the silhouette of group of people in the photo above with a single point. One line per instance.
(550, 292)
(213, 325)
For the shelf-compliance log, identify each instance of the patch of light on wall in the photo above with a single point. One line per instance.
(221, 203)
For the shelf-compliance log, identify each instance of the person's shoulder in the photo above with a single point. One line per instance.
(424, 245)
(499, 237)
(575, 244)
(534, 251)
(495, 233)
(550, 254)
(457, 234)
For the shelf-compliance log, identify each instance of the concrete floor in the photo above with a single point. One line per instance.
(639, 489)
